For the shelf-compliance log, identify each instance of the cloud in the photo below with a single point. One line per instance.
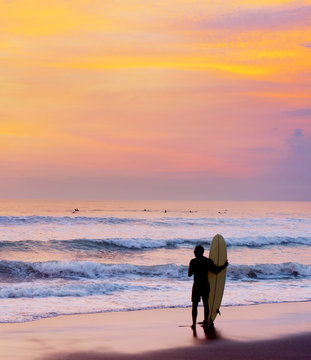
(297, 133)
(263, 18)
(299, 112)
(288, 177)
(308, 45)
(294, 169)
(260, 150)
(299, 145)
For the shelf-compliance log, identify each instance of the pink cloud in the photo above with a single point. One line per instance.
(260, 18)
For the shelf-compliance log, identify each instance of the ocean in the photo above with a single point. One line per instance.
(131, 255)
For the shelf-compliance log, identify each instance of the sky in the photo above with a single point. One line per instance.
(142, 99)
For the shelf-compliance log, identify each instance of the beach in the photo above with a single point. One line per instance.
(110, 281)
(266, 331)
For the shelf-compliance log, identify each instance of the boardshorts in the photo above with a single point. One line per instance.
(199, 291)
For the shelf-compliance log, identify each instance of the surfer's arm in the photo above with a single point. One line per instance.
(216, 269)
(190, 269)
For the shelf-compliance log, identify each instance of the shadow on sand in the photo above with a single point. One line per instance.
(210, 333)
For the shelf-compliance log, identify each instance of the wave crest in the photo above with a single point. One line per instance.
(20, 271)
(138, 244)
(153, 221)
(79, 270)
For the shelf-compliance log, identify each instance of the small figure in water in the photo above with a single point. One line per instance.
(199, 267)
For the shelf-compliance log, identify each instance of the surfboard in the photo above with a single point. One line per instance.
(218, 253)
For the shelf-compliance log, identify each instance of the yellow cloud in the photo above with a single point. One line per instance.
(22, 129)
(128, 62)
(37, 17)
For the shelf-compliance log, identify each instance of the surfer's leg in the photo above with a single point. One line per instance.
(206, 311)
(195, 298)
(194, 312)
(206, 308)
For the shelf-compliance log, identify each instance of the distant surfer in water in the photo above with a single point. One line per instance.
(199, 267)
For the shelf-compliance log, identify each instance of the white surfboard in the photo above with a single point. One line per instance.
(218, 253)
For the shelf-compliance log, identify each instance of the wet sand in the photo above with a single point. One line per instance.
(271, 331)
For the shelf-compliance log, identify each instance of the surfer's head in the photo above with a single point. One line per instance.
(199, 250)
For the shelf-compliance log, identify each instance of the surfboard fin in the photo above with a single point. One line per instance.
(218, 312)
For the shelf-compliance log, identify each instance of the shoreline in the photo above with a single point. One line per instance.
(164, 333)
(200, 306)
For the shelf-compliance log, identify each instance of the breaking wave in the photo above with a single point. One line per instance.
(119, 244)
(18, 271)
(78, 270)
(156, 222)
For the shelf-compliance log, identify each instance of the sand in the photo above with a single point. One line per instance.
(270, 331)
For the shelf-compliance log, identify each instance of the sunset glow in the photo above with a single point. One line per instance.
(155, 99)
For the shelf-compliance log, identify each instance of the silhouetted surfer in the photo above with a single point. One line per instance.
(199, 267)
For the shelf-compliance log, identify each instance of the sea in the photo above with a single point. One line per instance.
(79, 257)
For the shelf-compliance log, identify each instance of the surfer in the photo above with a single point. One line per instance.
(199, 267)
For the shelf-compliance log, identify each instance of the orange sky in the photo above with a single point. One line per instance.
(155, 99)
